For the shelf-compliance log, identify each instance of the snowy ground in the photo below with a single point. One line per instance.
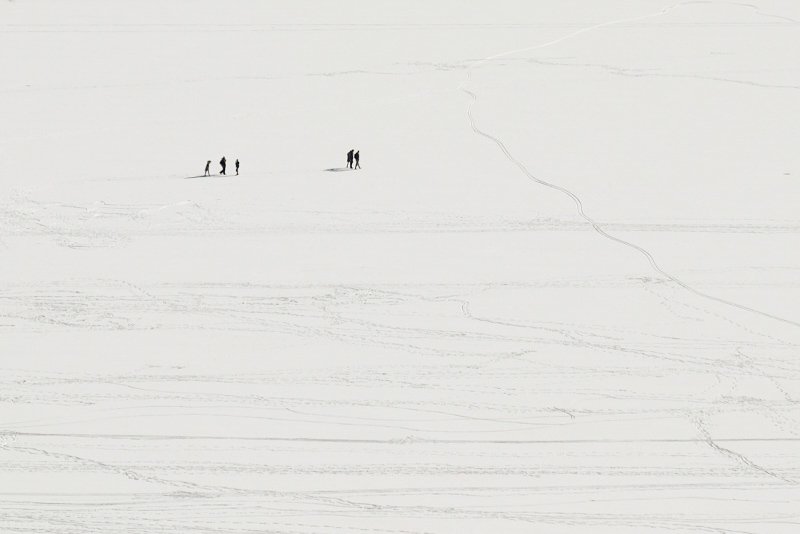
(438, 343)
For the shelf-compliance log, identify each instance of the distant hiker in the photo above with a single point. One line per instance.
(350, 159)
(356, 156)
(222, 163)
(208, 165)
(237, 167)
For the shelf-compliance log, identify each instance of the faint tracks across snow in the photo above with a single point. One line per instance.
(574, 197)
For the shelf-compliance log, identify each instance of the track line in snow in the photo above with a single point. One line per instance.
(391, 441)
(575, 198)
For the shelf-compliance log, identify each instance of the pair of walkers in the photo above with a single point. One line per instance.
(222, 163)
(351, 156)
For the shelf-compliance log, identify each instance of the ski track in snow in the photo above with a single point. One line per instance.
(575, 198)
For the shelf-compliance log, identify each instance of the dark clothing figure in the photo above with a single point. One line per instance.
(222, 163)
(208, 172)
(357, 157)
(237, 167)
(350, 159)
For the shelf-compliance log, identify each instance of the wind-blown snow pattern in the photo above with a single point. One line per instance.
(429, 344)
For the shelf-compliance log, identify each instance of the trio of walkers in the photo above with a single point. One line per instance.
(222, 163)
(353, 157)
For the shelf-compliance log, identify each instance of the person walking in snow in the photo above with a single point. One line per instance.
(237, 167)
(357, 157)
(208, 165)
(222, 163)
(350, 159)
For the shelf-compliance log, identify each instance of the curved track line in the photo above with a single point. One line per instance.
(575, 198)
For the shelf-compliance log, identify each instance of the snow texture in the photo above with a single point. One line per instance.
(560, 296)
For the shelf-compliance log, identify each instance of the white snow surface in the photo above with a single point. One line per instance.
(560, 296)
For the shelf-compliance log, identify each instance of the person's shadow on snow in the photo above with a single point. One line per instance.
(338, 169)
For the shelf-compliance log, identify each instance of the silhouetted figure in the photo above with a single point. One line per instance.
(208, 166)
(237, 167)
(350, 159)
(357, 157)
(222, 164)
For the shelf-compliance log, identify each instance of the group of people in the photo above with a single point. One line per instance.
(222, 163)
(353, 156)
